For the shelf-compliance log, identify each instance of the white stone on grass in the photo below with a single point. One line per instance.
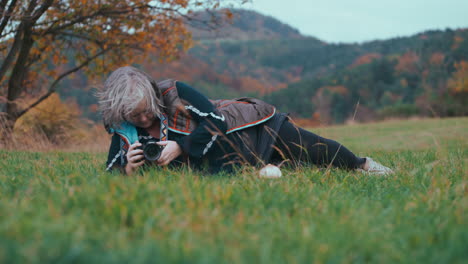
(270, 171)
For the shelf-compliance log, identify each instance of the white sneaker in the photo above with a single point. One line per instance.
(376, 168)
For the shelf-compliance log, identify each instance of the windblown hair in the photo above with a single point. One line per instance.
(123, 90)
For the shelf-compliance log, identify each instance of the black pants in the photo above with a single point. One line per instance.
(300, 146)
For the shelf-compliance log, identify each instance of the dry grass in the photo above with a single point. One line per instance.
(389, 135)
(87, 138)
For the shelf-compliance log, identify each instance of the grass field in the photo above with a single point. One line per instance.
(60, 207)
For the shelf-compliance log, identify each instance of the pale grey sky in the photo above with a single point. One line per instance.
(364, 20)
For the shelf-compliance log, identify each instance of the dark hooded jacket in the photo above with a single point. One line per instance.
(222, 132)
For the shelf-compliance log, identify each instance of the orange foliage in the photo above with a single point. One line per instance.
(253, 85)
(339, 89)
(96, 35)
(457, 40)
(458, 84)
(365, 59)
(93, 108)
(314, 121)
(408, 62)
(123, 31)
(190, 69)
(437, 58)
(52, 118)
(54, 124)
(404, 83)
(228, 14)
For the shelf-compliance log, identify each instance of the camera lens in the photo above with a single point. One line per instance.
(152, 151)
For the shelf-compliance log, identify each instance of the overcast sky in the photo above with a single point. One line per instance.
(364, 20)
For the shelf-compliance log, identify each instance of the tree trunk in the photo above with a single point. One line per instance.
(15, 85)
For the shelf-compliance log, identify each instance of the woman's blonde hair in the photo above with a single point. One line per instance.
(123, 90)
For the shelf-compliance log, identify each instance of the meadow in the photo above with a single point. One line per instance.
(61, 207)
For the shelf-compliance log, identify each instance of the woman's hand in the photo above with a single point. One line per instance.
(135, 158)
(171, 151)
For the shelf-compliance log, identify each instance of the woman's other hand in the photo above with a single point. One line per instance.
(171, 151)
(135, 158)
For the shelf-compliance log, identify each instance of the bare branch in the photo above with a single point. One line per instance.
(80, 36)
(2, 6)
(39, 12)
(6, 14)
(206, 20)
(80, 19)
(53, 86)
(10, 32)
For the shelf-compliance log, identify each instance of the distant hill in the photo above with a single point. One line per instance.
(418, 75)
(257, 55)
(244, 25)
(234, 59)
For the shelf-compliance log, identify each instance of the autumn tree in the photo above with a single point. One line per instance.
(458, 84)
(42, 42)
(458, 88)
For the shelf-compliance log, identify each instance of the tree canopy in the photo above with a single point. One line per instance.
(42, 42)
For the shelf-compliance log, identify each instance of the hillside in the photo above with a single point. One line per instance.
(244, 25)
(256, 55)
(417, 75)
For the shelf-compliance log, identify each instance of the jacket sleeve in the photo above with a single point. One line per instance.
(116, 158)
(210, 123)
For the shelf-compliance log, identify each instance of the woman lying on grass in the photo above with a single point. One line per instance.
(200, 132)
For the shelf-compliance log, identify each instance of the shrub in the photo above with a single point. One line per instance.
(53, 120)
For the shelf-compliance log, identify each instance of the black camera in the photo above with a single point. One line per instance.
(151, 150)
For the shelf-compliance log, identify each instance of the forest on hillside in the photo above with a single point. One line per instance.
(421, 75)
